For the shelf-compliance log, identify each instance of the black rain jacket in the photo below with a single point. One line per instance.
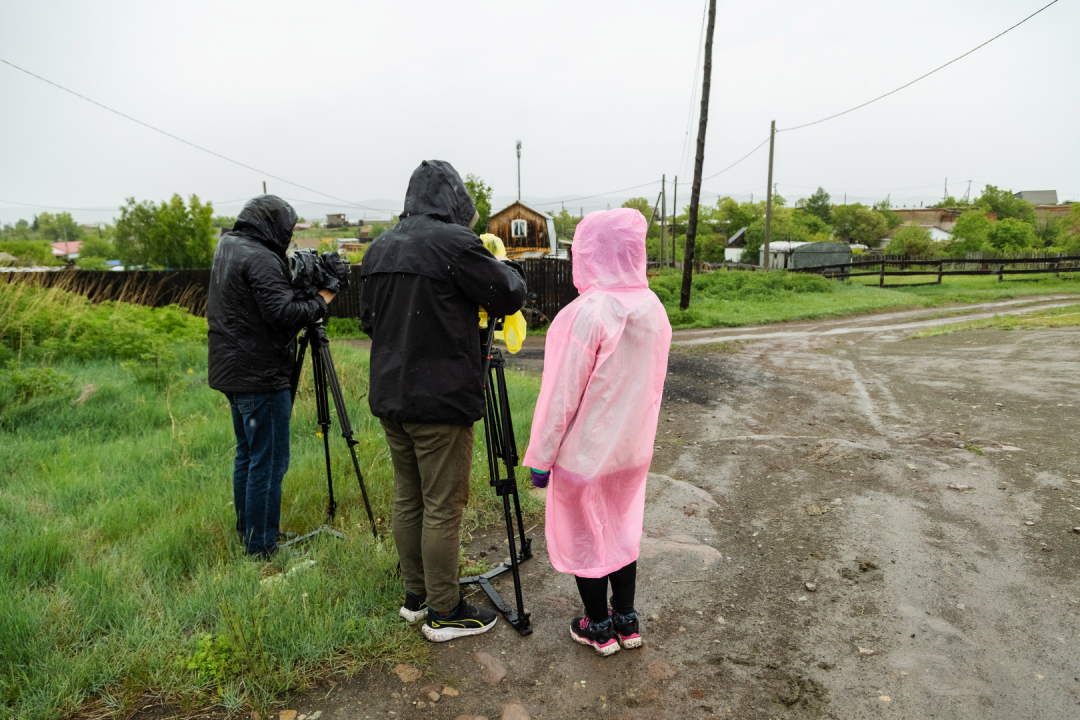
(422, 283)
(251, 310)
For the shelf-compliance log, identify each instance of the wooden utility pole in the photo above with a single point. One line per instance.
(768, 199)
(663, 217)
(264, 187)
(519, 169)
(699, 160)
(674, 218)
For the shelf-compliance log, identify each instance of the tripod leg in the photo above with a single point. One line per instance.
(301, 351)
(323, 408)
(508, 450)
(330, 374)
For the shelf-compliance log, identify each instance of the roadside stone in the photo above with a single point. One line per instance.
(813, 510)
(421, 704)
(433, 696)
(287, 715)
(315, 715)
(494, 669)
(811, 587)
(514, 710)
(659, 670)
(654, 617)
(960, 488)
(865, 651)
(255, 715)
(407, 674)
(470, 717)
(450, 692)
(1076, 530)
(1029, 523)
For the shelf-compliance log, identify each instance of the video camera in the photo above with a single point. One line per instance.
(312, 272)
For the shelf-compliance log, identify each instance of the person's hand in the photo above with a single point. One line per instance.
(327, 295)
(540, 478)
(503, 258)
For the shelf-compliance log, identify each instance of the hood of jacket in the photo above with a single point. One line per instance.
(268, 219)
(609, 250)
(436, 190)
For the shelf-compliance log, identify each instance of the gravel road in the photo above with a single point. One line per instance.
(844, 525)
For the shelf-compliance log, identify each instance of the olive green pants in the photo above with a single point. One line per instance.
(431, 488)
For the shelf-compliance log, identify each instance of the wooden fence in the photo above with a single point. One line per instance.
(550, 286)
(972, 264)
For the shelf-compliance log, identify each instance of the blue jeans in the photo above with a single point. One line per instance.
(261, 424)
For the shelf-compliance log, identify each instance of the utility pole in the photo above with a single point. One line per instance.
(699, 160)
(663, 217)
(264, 187)
(519, 169)
(768, 198)
(674, 218)
(946, 191)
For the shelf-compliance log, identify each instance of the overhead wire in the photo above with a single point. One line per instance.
(180, 139)
(693, 91)
(921, 77)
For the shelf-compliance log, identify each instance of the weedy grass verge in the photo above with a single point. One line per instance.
(123, 574)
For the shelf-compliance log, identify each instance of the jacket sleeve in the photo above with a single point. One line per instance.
(498, 286)
(367, 318)
(275, 298)
(569, 360)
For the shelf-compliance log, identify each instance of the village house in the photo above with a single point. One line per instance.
(525, 231)
(335, 220)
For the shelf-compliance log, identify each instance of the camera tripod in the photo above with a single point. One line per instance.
(326, 380)
(502, 449)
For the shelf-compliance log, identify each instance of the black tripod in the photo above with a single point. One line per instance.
(502, 449)
(326, 378)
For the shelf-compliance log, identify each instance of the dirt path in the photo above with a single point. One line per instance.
(841, 525)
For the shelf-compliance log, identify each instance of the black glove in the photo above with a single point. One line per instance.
(336, 270)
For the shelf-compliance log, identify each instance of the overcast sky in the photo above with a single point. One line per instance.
(347, 97)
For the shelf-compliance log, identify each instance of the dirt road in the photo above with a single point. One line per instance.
(840, 524)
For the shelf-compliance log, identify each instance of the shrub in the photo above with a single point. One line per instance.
(911, 240)
(1011, 235)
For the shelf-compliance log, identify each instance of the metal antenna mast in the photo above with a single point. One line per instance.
(519, 169)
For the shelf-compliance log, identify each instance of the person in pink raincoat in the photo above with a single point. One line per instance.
(605, 361)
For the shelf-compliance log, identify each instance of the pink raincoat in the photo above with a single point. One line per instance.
(605, 361)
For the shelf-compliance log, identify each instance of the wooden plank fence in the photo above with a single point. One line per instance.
(971, 264)
(550, 286)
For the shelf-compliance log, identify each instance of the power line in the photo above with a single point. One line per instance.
(588, 197)
(57, 207)
(693, 92)
(737, 161)
(816, 122)
(180, 139)
(920, 187)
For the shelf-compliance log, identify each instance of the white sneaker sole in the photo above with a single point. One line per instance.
(630, 643)
(450, 633)
(601, 651)
(412, 616)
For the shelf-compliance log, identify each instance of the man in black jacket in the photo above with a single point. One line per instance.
(254, 318)
(422, 283)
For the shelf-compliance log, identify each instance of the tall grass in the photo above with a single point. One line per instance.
(123, 575)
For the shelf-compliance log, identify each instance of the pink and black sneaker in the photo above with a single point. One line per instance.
(626, 629)
(600, 636)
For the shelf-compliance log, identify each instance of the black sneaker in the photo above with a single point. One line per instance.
(599, 635)
(463, 621)
(626, 629)
(414, 609)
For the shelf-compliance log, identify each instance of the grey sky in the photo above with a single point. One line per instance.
(348, 97)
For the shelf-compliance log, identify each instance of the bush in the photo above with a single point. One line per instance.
(1011, 235)
(36, 321)
(738, 285)
(911, 240)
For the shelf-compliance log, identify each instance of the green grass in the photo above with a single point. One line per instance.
(737, 298)
(122, 572)
(1057, 317)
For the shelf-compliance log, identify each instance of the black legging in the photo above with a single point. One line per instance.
(594, 591)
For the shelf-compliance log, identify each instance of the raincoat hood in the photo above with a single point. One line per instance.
(609, 250)
(268, 219)
(436, 190)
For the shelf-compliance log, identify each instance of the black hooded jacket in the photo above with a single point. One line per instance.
(422, 284)
(252, 313)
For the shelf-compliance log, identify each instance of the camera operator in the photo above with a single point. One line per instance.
(254, 317)
(421, 284)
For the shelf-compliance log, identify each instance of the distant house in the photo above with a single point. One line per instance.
(7, 259)
(69, 250)
(336, 220)
(302, 226)
(788, 254)
(735, 244)
(525, 231)
(1038, 197)
(305, 244)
